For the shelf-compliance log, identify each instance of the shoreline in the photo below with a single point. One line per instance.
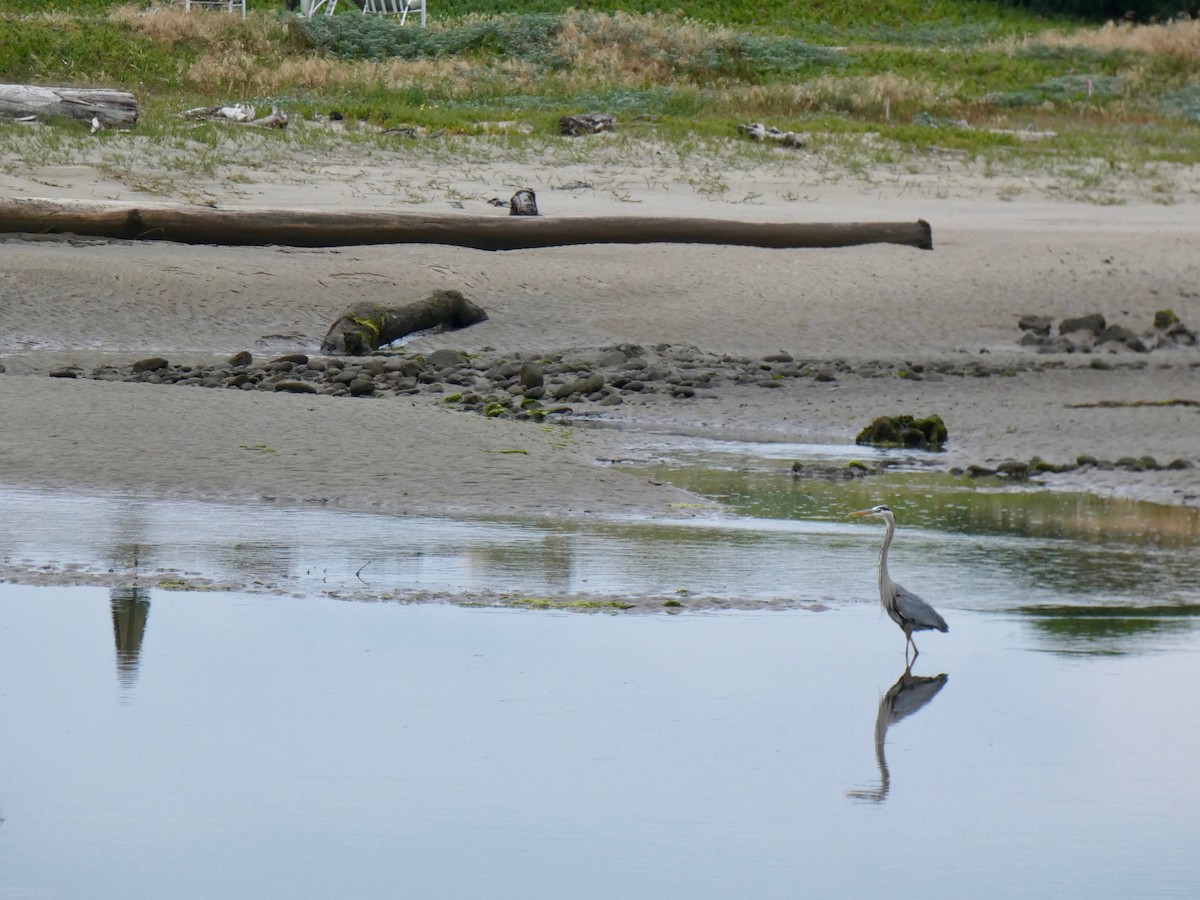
(86, 302)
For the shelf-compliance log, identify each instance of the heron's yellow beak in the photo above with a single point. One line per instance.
(863, 512)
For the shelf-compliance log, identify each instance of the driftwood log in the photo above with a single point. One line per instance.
(365, 327)
(317, 228)
(112, 108)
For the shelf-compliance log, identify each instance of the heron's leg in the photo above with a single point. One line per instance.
(908, 636)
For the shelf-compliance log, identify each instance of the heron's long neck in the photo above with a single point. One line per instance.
(887, 542)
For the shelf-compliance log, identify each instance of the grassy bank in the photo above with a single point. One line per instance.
(880, 81)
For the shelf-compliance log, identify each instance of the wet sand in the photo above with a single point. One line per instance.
(87, 301)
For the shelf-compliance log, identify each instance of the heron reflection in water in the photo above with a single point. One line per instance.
(905, 697)
(904, 607)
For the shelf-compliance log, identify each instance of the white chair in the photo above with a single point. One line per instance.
(230, 5)
(310, 8)
(399, 8)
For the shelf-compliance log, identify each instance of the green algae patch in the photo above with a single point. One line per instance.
(905, 431)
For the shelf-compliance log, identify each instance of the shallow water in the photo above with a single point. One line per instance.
(299, 747)
(268, 739)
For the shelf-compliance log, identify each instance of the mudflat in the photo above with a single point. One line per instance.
(840, 336)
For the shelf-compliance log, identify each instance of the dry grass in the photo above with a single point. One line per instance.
(633, 48)
(1178, 40)
(868, 95)
(171, 25)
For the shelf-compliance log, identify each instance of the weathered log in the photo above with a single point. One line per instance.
(365, 327)
(319, 228)
(110, 107)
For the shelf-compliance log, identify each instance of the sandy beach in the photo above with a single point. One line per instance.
(1000, 253)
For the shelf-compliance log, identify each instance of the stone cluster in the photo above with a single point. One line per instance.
(1090, 333)
(1017, 470)
(525, 386)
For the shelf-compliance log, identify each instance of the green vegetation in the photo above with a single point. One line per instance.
(871, 82)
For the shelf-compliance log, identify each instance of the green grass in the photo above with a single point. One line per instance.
(905, 73)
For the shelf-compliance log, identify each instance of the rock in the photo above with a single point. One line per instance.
(1165, 318)
(780, 357)
(296, 387)
(1178, 335)
(905, 431)
(298, 359)
(242, 358)
(1036, 325)
(152, 364)
(974, 471)
(1177, 465)
(1093, 324)
(530, 375)
(1119, 334)
(66, 372)
(446, 358)
(587, 385)
(1056, 345)
(362, 387)
(1013, 469)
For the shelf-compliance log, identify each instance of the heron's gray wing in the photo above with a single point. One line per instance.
(915, 610)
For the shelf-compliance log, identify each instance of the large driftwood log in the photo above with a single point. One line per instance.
(118, 108)
(365, 327)
(317, 228)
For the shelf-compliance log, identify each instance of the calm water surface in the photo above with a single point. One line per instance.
(284, 747)
(275, 740)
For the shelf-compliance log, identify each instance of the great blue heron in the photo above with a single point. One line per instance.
(906, 609)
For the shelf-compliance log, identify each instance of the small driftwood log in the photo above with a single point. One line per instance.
(365, 327)
(587, 123)
(113, 108)
(319, 228)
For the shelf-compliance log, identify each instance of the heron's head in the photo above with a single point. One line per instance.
(882, 512)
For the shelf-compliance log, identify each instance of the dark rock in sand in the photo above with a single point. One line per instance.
(446, 358)
(1119, 334)
(296, 387)
(1056, 345)
(1093, 324)
(1036, 325)
(362, 387)
(152, 364)
(1165, 318)
(242, 358)
(531, 375)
